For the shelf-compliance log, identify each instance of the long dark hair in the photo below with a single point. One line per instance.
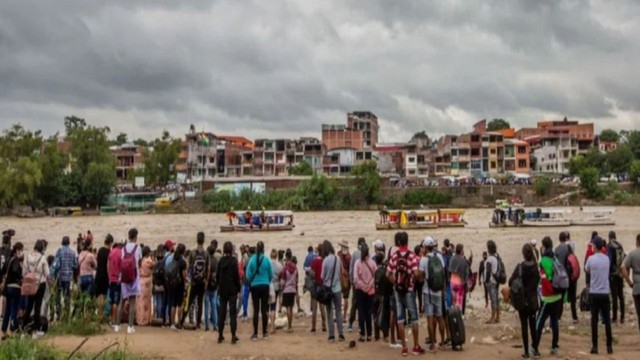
(16, 247)
(327, 248)
(260, 248)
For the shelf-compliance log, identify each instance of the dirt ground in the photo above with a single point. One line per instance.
(484, 342)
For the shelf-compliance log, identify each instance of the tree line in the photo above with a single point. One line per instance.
(36, 171)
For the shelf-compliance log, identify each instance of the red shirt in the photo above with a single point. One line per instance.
(316, 267)
(412, 262)
(115, 259)
(591, 250)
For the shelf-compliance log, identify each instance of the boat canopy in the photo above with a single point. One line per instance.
(452, 211)
(551, 210)
(266, 212)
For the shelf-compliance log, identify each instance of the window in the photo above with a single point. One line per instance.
(522, 164)
(412, 159)
(493, 151)
(493, 164)
(522, 150)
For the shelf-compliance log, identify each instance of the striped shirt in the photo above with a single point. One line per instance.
(412, 264)
(67, 262)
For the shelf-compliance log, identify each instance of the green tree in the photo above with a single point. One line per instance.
(89, 144)
(120, 139)
(73, 122)
(576, 164)
(589, 183)
(98, 182)
(619, 159)
(634, 172)
(159, 164)
(498, 124)
(19, 182)
(609, 135)
(140, 142)
(52, 164)
(597, 160)
(17, 142)
(367, 181)
(315, 194)
(633, 140)
(541, 185)
(301, 169)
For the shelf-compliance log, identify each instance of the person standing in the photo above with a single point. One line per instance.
(631, 266)
(616, 258)
(402, 270)
(113, 269)
(289, 286)
(598, 267)
(458, 272)
(259, 275)
(175, 283)
(316, 272)
(277, 273)
(211, 292)
(37, 263)
(527, 271)
(433, 291)
(88, 265)
(551, 300)
(67, 263)
(352, 261)
(331, 278)
(102, 271)
(143, 303)
(199, 262)
(364, 282)
(130, 278)
(228, 279)
(491, 270)
(562, 252)
(481, 279)
(11, 284)
(345, 277)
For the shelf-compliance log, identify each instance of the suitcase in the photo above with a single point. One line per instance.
(456, 325)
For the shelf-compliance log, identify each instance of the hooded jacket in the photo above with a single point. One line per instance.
(530, 281)
(228, 277)
(547, 292)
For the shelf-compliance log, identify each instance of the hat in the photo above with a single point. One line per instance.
(533, 242)
(428, 242)
(169, 244)
(343, 244)
(378, 244)
(612, 234)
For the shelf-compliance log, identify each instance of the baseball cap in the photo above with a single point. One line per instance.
(428, 242)
(612, 234)
(533, 242)
(169, 244)
(378, 244)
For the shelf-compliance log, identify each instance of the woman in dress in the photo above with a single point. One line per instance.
(143, 304)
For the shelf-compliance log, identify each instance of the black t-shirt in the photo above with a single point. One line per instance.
(14, 272)
(182, 265)
(103, 260)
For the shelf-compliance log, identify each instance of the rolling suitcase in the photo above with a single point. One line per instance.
(456, 324)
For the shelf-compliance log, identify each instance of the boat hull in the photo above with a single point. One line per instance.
(528, 223)
(406, 227)
(247, 228)
(452, 225)
(503, 225)
(607, 222)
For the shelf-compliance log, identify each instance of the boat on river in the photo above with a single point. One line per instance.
(508, 213)
(418, 219)
(594, 216)
(265, 220)
(547, 217)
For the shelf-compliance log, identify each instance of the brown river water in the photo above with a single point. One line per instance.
(312, 228)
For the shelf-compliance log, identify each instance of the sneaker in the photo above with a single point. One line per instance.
(40, 333)
(554, 351)
(417, 350)
(174, 328)
(341, 338)
(265, 337)
(116, 328)
(350, 328)
(206, 329)
(361, 339)
(395, 346)
(332, 339)
(594, 351)
(534, 353)
(405, 352)
(525, 356)
(131, 330)
(254, 337)
(234, 340)
(220, 340)
(609, 350)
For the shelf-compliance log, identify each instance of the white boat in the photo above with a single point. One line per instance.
(595, 216)
(549, 217)
(265, 220)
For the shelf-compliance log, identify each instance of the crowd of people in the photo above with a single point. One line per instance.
(386, 290)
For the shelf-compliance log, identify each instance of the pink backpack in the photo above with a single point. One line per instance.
(128, 269)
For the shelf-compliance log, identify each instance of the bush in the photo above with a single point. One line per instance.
(589, 183)
(28, 349)
(423, 197)
(541, 185)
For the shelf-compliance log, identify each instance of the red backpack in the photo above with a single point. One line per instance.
(128, 269)
(575, 267)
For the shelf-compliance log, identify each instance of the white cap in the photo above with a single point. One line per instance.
(533, 242)
(378, 244)
(429, 242)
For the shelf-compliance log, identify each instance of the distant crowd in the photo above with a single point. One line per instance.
(385, 290)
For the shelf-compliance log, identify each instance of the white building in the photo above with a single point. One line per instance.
(554, 154)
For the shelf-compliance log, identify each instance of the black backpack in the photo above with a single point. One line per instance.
(199, 264)
(173, 278)
(516, 292)
(501, 274)
(158, 274)
(383, 286)
(213, 270)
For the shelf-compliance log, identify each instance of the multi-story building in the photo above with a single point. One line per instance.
(553, 153)
(398, 159)
(516, 156)
(197, 160)
(270, 157)
(340, 161)
(307, 149)
(367, 122)
(129, 157)
(340, 136)
(233, 154)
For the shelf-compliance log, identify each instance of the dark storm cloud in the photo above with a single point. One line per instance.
(265, 68)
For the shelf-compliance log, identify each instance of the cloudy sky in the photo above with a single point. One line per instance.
(266, 68)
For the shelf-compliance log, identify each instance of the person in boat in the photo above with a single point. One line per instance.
(230, 216)
(384, 215)
(263, 218)
(413, 217)
(510, 213)
(248, 218)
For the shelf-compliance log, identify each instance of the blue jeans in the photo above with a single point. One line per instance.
(406, 303)
(211, 309)
(246, 290)
(158, 303)
(64, 289)
(86, 284)
(11, 309)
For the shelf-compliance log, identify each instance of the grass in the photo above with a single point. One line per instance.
(27, 349)
(84, 320)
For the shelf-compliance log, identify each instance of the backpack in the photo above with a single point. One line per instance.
(619, 260)
(158, 274)
(403, 274)
(129, 270)
(383, 285)
(572, 259)
(501, 274)
(199, 263)
(560, 281)
(517, 297)
(213, 271)
(584, 300)
(30, 283)
(436, 274)
(172, 274)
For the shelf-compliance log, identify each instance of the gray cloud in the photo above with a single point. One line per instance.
(260, 68)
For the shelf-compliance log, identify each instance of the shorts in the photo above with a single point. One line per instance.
(345, 292)
(433, 305)
(275, 303)
(101, 287)
(492, 289)
(406, 303)
(115, 291)
(288, 299)
(175, 297)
